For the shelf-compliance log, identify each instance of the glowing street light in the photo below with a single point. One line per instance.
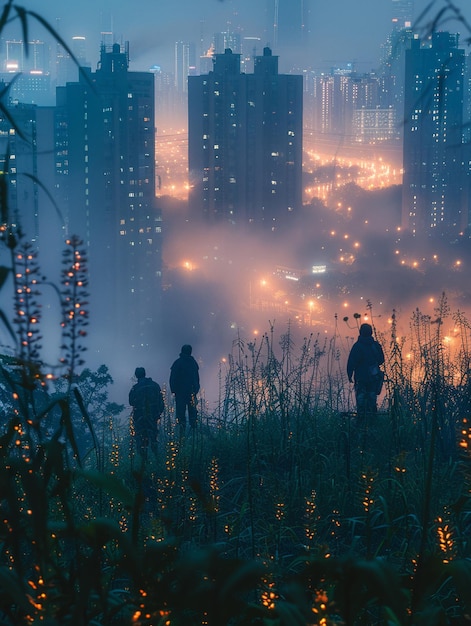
(311, 306)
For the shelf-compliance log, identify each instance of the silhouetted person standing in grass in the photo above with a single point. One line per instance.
(363, 369)
(185, 384)
(148, 405)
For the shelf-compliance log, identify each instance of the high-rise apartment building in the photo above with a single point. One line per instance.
(245, 142)
(26, 68)
(288, 24)
(27, 162)
(435, 158)
(105, 158)
(347, 106)
(67, 68)
(402, 12)
(227, 39)
(185, 64)
(393, 58)
(19, 57)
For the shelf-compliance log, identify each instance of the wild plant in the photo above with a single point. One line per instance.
(283, 509)
(75, 312)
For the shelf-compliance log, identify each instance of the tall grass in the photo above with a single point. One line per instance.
(289, 507)
(281, 508)
(282, 498)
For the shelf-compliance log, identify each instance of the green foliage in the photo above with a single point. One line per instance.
(282, 508)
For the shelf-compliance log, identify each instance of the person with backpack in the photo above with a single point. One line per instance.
(147, 402)
(363, 369)
(185, 384)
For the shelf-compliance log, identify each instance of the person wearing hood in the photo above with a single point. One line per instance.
(185, 384)
(363, 369)
(147, 403)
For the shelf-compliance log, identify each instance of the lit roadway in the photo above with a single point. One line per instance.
(353, 165)
(369, 166)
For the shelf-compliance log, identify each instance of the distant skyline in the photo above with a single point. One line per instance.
(341, 31)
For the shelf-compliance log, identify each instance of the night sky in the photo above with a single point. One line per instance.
(341, 30)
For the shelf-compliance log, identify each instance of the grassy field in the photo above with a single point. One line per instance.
(282, 507)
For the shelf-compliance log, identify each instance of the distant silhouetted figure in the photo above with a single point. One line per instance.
(148, 405)
(185, 384)
(363, 368)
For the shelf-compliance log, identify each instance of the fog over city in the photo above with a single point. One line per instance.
(337, 29)
(225, 286)
(343, 252)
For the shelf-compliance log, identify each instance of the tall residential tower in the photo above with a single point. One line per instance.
(288, 29)
(436, 160)
(105, 156)
(245, 142)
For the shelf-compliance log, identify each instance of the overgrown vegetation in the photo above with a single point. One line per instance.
(282, 508)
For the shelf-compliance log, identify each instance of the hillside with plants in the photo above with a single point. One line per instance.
(280, 508)
(283, 507)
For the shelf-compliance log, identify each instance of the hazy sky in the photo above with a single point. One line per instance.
(341, 30)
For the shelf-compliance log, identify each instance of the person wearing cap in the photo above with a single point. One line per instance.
(363, 370)
(185, 385)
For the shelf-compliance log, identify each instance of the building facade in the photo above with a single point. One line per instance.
(185, 64)
(27, 162)
(105, 160)
(435, 157)
(288, 29)
(26, 68)
(245, 142)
